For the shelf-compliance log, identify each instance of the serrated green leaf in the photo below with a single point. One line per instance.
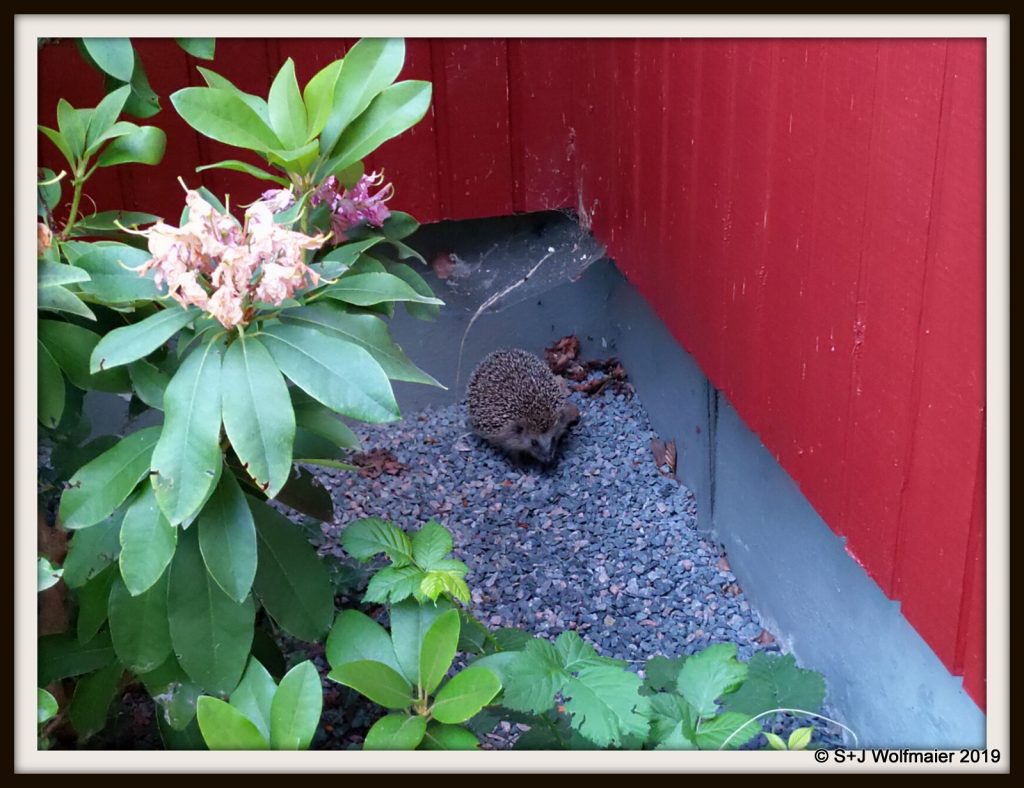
(464, 696)
(661, 674)
(437, 582)
(87, 710)
(707, 676)
(210, 631)
(394, 584)
(103, 484)
(295, 711)
(147, 542)
(222, 115)
(91, 550)
(376, 681)
(114, 56)
(62, 656)
(138, 625)
(355, 636)
(438, 650)
(773, 682)
(123, 345)
(473, 635)
(396, 732)
(672, 722)
(448, 737)
(431, 544)
(258, 416)
(187, 460)
(369, 67)
(729, 730)
(375, 288)
(605, 704)
(366, 331)
(342, 376)
(576, 654)
(531, 681)
(291, 581)
(364, 538)
(254, 696)
(800, 738)
(510, 639)
(70, 346)
(227, 539)
(226, 728)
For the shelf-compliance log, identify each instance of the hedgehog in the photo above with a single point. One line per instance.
(516, 404)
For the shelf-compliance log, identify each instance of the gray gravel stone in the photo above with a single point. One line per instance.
(601, 541)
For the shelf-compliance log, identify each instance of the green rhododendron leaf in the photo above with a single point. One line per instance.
(465, 694)
(448, 737)
(355, 636)
(396, 732)
(376, 681)
(226, 728)
(295, 711)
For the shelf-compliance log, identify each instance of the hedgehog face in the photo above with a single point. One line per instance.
(518, 439)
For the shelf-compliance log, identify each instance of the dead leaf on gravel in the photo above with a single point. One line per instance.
(373, 463)
(664, 454)
(723, 564)
(766, 638)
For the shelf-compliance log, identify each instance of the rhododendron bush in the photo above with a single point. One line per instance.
(250, 327)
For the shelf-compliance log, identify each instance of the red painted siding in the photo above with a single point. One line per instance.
(807, 216)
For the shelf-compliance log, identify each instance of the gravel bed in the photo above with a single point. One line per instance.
(601, 542)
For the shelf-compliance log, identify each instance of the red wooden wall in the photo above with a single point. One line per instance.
(807, 216)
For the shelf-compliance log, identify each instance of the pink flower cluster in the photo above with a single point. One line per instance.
(224, 268)
(350, 207)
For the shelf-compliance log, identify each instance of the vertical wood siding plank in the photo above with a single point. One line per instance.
(949, 375)
(900, 174)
